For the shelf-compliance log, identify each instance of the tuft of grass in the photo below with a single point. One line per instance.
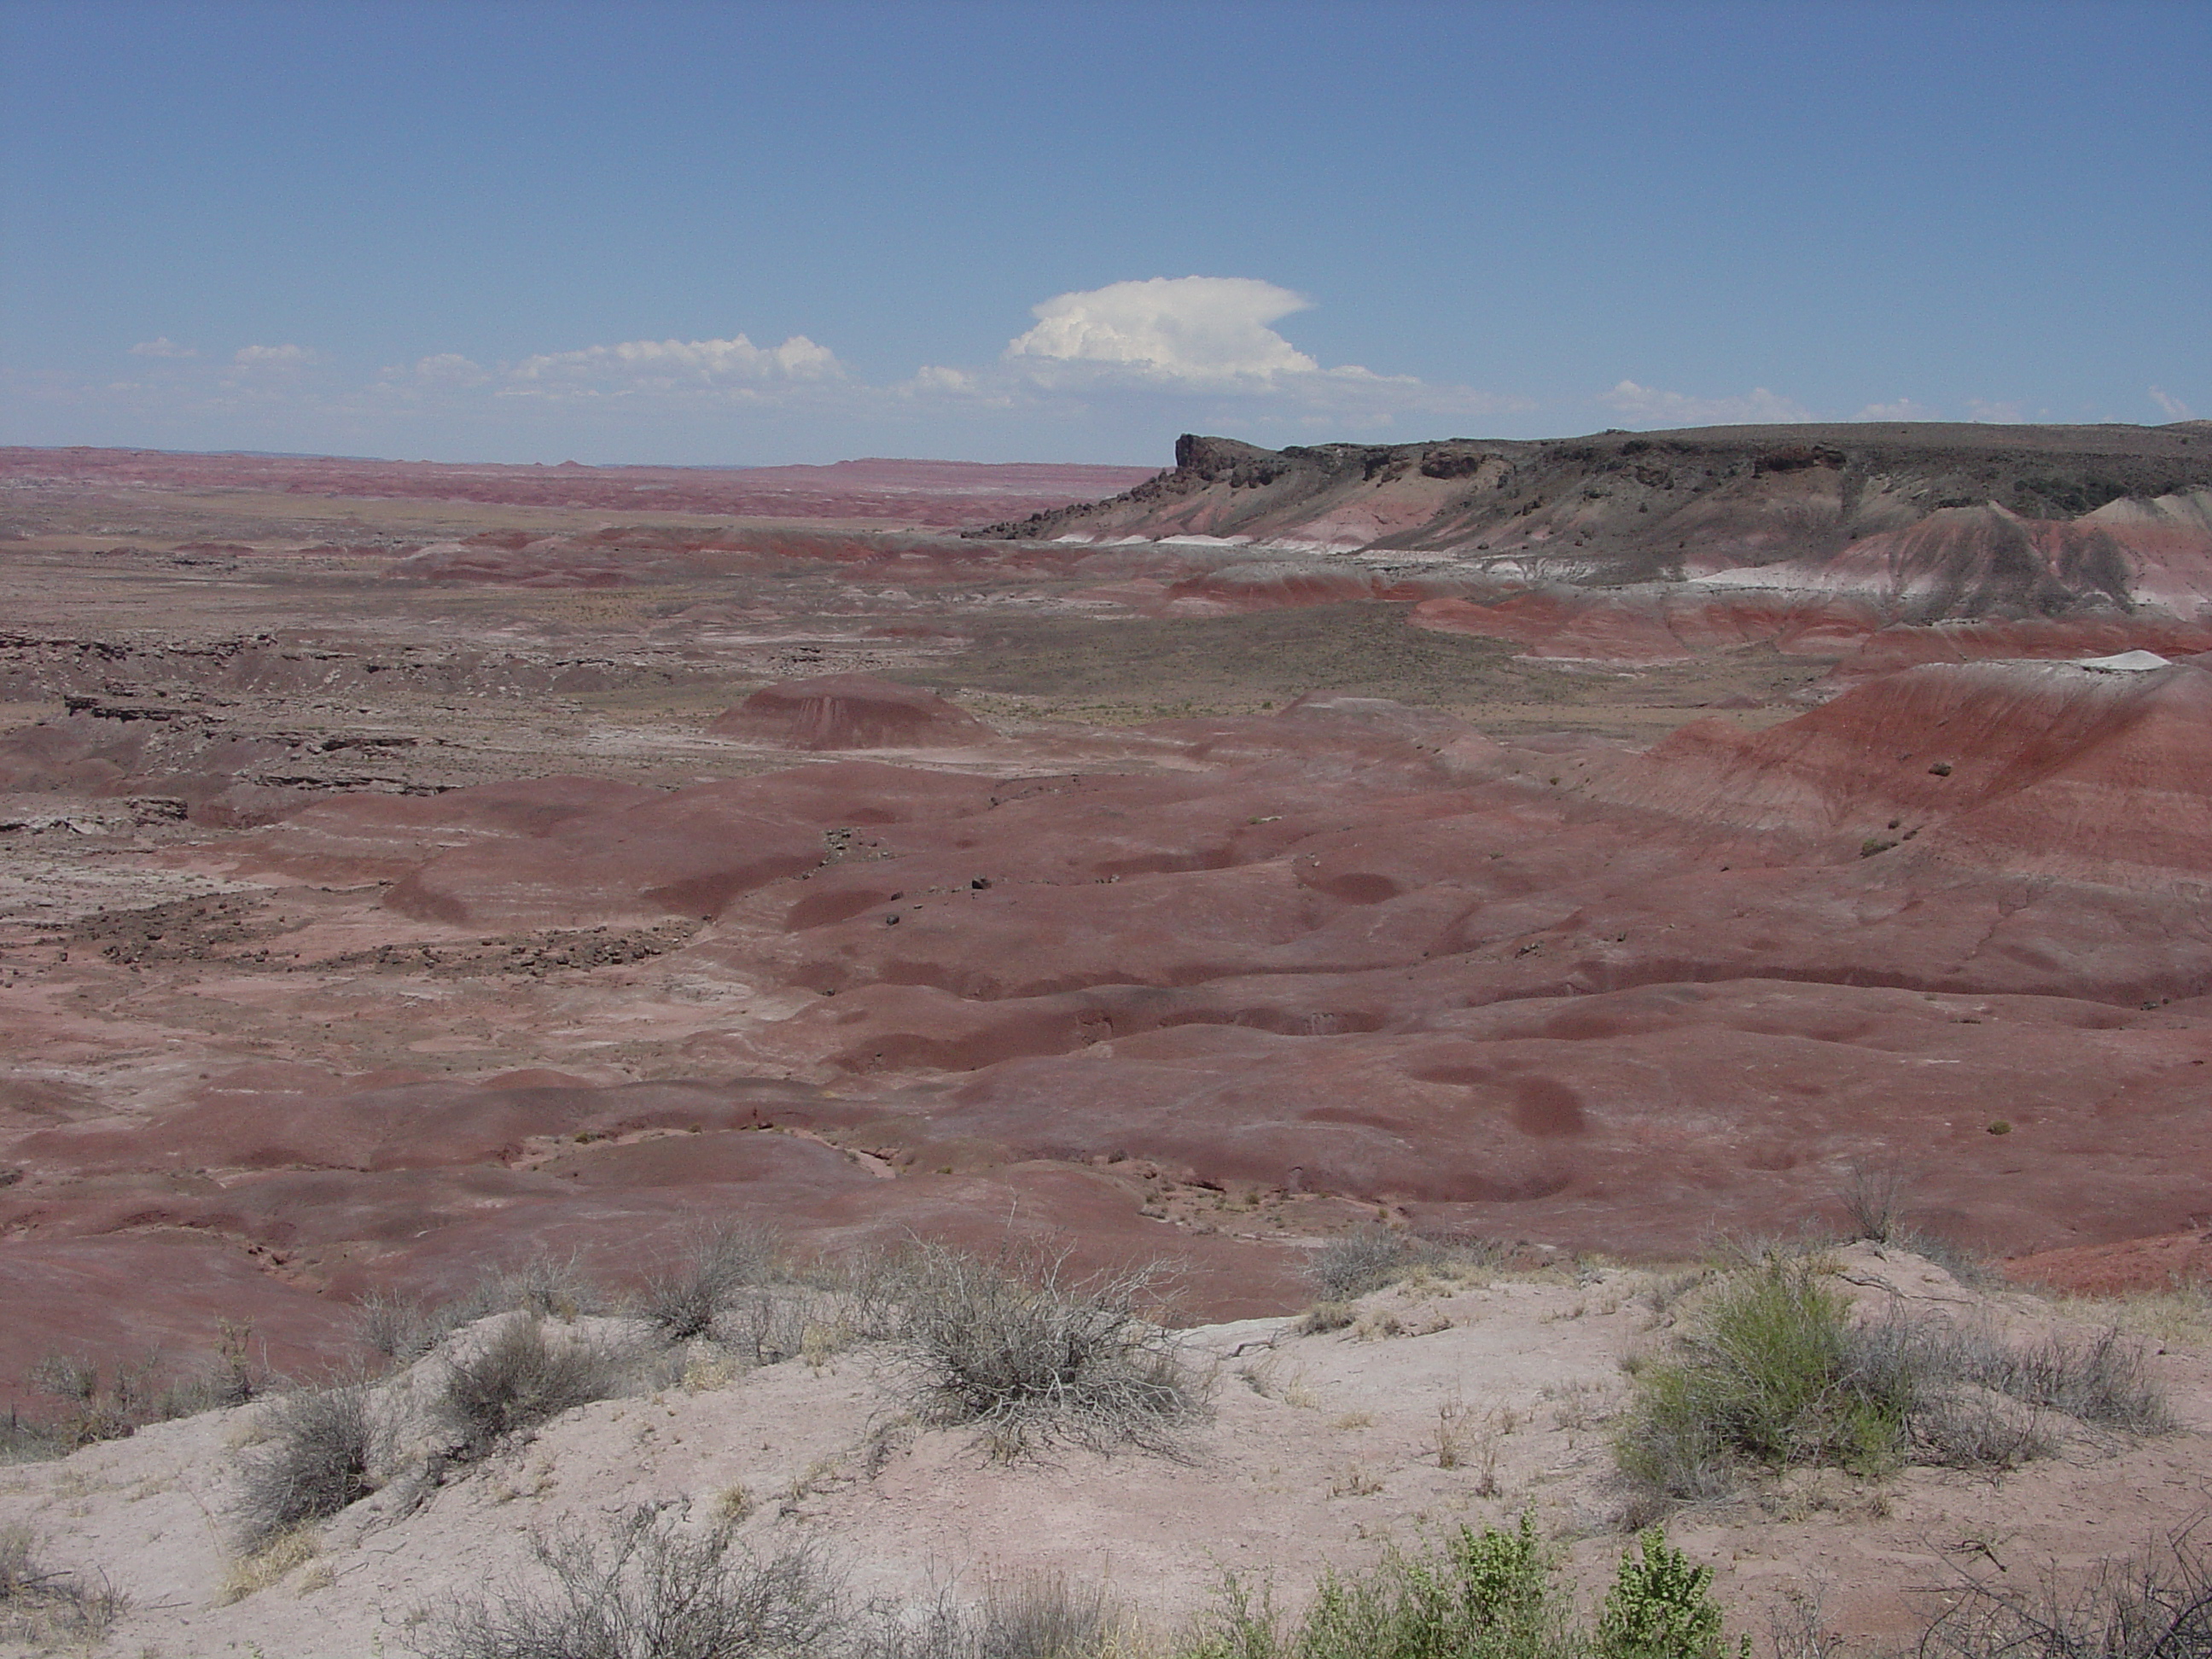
(323, 1451)
(1325, 1316)
(2179, 1317)
(515, 1377)
(1040, 1616)
(43, 1606)
(650, 1591)
(1030, 1354)
(267, 1563)
(1873, 1197)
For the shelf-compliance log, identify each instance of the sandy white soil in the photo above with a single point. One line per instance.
(1447, 1401)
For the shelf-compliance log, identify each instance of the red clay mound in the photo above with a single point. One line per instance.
(629, 856)
(849, 711)
(2166, 1262)
(2045, 769)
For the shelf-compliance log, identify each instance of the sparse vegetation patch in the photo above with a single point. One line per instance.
(650, 1591)
(1028, 1353)
(517, 1376)
(1772, 1370)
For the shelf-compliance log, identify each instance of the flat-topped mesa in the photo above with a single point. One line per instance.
(2107, 516)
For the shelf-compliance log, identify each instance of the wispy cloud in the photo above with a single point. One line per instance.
(1654, 407)
(1993, 414)
(1903, 410)
(162, 347)
(448, 368)
(256, 358)
(650, 367)
(2174, 408)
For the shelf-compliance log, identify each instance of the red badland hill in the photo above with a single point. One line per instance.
(1291, 970)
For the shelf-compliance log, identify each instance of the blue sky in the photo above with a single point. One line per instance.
(755, 233)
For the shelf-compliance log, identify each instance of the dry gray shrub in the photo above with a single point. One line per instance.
(324, 1451)
(1350, 1266)
(649, 1591)
(2103, 1380)
(403, 1329)
(2156, 1606)
(111, 1400)
(765, 1325)
(41, 1605)
(549, 1287)
(399, 1327)
(1873, 1197)
(1030, 1354)
(516, 1377)
(685, 1297)
(1043, 1616)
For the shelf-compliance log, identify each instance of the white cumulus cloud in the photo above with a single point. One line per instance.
(1757, 407)
(676, 365)
(1204, 330)
(448, 368)
(1997, 414)
(276, 357)
(162, 347)
(1903, 410)
(1204, 345)
(2175, 408)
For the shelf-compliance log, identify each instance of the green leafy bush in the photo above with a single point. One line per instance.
(1774, 1371)
(1659, 1607)
(1489, 1595)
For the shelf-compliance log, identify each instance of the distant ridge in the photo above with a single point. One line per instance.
(922, 493)
(1623, 508)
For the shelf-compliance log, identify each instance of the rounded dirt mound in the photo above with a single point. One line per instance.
(849, 711)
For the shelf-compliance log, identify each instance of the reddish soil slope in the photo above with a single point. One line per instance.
(1238, 979)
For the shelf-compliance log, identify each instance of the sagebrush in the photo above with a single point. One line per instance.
(649, 1590)
(1772, 1370)
(517, 1376)
(323, 1451)
(1029, 1352)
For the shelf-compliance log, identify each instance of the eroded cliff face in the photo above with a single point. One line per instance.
(1932, 519)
